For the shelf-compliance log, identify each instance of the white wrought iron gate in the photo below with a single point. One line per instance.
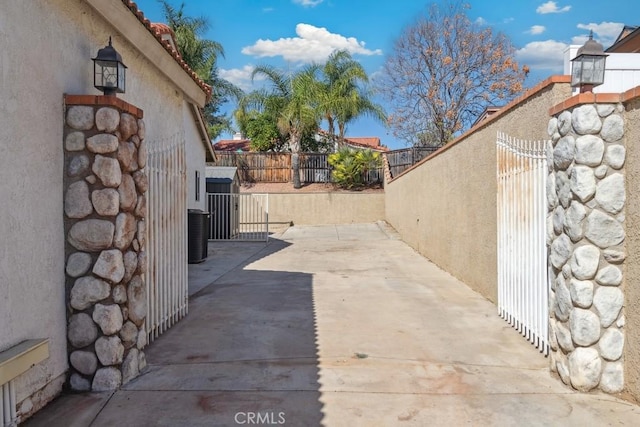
(523, 288)
(238, 216)
(167, 274)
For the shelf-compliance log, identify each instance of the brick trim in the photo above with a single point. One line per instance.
(104, 101)
(595, 98)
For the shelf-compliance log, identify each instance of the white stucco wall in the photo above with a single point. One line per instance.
(47, 51)
(196, 160)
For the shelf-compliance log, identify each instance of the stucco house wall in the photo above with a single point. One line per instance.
(47, 52)
(445, 206)
(196, 161)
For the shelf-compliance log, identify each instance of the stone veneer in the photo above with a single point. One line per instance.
(585, 236)
(104, 211)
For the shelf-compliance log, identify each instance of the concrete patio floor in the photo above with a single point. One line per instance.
(337, 326)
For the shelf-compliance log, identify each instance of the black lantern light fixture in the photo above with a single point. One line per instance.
(109, 73)
(588, 65)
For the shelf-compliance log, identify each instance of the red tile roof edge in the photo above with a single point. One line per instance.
(156, 30)
(232, 145)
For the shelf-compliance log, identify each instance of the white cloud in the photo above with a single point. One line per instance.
(536, 29)
(267, 9)
(543, 55)
(481, 21)
(240, 77)
(606, 32)
(508, 20)
(581, 39)
(308, 3)
(312, 44)
(551, 7)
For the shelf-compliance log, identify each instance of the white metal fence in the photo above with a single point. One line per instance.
(167, 275)
(8, 414)
(523, 289)
(238, 216)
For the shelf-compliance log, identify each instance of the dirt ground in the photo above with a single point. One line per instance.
(287, 187)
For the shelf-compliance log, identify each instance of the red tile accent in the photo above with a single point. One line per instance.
(104, 101)
(631, 94)
(593, 98)
(157, 33)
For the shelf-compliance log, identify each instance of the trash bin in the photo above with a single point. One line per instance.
(198, 225)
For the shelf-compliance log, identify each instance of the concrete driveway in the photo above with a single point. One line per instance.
(337, 326)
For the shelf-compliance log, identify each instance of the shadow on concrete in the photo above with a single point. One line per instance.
(245, 354)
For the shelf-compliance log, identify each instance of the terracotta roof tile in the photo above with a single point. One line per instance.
(232, 145)
(366, 141)
(157, 30)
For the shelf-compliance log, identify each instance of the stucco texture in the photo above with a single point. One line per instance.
(632, 263)
(326, 208)
(445, 207)
(47, 52)
(196, 161)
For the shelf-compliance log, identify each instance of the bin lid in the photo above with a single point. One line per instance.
(221, 174)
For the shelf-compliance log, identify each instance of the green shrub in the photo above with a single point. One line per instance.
(351, 166)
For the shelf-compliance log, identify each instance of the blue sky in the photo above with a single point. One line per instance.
(287, 33)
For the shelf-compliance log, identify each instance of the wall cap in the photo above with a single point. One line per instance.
(104, 101)
(595, 98)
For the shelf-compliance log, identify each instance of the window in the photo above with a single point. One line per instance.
(197, 186)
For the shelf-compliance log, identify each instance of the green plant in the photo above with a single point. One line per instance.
(351, 166)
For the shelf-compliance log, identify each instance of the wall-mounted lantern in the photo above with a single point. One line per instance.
(588, 65)
(109, 73)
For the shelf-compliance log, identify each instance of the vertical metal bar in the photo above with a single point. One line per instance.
(500, 226)
(184, 248)
(172, 283)
(2, 405)
(510, 228)
(529, 244)
(266, 217)
(12, 403)
(536, 252)
(543, 249)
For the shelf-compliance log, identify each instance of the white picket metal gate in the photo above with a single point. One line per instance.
(238, 216)
(167, 274)
(8, 414)
(523, 288)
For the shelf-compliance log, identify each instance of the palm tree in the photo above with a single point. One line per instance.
(202, 55)
(292, 99)
(341, 98)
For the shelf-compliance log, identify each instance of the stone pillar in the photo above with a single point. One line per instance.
(104, 214)
(585, 235)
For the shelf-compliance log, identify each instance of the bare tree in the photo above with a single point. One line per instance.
(443, 72)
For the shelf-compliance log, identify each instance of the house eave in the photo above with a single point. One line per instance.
(202, 131)
(128, 25)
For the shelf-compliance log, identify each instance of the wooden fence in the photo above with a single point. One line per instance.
(401, 160)
(276, 167)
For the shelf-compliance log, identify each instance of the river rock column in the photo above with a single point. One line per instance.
(104, 214)
(585, 238)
